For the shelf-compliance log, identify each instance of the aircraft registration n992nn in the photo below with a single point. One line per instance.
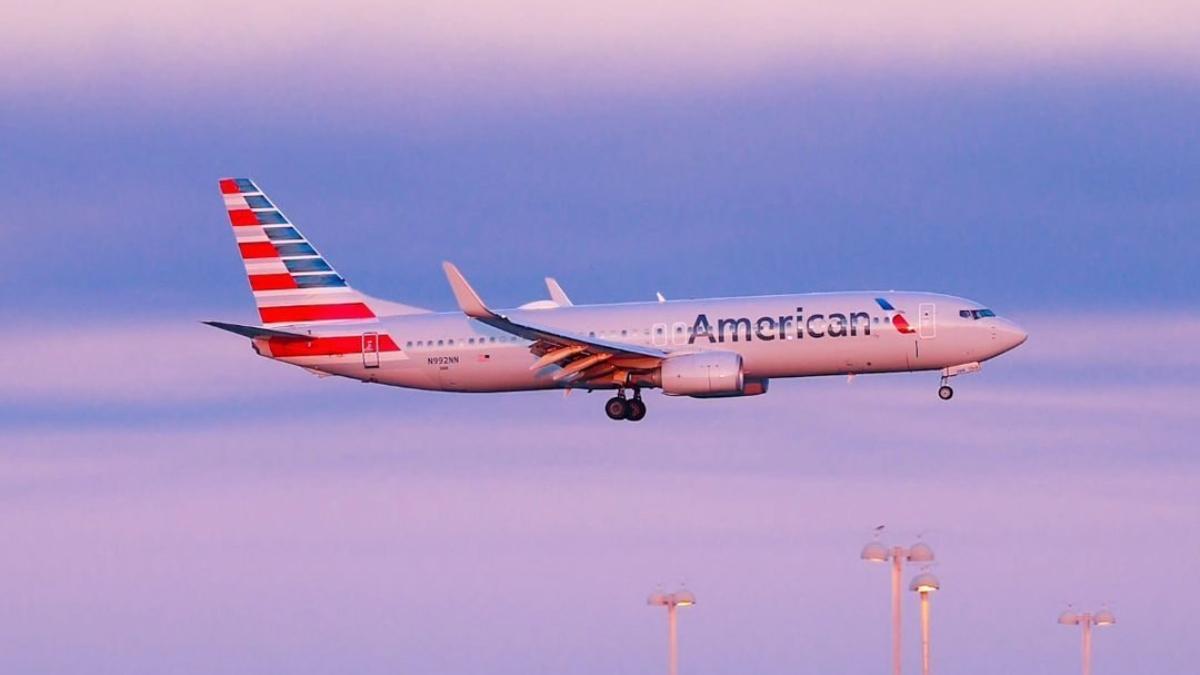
(708, 348)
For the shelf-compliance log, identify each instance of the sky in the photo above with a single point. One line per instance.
(173, 503)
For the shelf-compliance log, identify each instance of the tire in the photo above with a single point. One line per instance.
(945, 392)
(616, 408)
(637, 410)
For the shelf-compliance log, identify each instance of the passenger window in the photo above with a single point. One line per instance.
(660, 335)
(680, 336)
(441, 342)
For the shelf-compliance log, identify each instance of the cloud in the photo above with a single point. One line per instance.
(333, 523)
(139, 361)
(1124, 339)
(336, 544)
(131, 361)
(612, 43)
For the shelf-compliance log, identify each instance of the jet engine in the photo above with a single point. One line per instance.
(703, 374)
(753, 386)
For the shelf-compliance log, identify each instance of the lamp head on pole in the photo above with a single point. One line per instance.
(1069, 618)
(682, 598)
(875, 552)
(1104, 617)
(924, 583)
(920, 553)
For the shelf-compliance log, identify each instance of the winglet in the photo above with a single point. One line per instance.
(557, 294)
(468, 300)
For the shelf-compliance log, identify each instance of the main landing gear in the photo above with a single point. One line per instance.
(621, 408)
(945, 392)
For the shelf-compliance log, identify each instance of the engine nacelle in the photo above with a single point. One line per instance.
(703, 374)
(753, 386)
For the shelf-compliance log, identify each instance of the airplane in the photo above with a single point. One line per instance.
(703, 348)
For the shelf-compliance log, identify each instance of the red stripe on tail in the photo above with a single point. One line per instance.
(240, 217)
(297, 313)
(271, 282)
(229, 187)
(258, 249)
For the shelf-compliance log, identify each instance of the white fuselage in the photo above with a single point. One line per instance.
(776, 336)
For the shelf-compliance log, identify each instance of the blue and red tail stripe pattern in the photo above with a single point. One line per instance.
(291, 281)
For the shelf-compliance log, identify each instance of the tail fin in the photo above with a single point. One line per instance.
(292, 283)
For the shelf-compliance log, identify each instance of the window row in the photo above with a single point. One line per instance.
(450, 342)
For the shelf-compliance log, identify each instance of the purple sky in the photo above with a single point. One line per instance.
(174, 503)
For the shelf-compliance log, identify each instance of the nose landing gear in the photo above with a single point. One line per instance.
(621, 408)
(945, 391)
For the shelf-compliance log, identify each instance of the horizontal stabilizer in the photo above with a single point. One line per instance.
(256, 331)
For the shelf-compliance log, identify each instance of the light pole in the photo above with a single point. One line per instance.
(876, 552)
(1104, 617)
(924, 584)
(672, 601)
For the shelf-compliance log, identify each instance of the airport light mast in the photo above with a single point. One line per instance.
(924, 584)
(1085, 621)
(876, 552)
(672, 601)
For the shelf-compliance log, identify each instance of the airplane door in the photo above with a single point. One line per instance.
(927, 321)
(370, 349)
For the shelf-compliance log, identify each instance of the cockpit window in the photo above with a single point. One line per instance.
(974, 314)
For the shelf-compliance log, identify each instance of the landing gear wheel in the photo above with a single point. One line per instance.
(617, 408)
(637, 410)
(945, 392)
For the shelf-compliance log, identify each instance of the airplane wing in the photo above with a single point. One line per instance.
(557, 294)
(581, 355)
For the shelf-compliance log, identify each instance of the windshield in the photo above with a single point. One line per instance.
(974, 314)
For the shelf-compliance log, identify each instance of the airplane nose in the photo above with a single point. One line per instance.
(1010, 335)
